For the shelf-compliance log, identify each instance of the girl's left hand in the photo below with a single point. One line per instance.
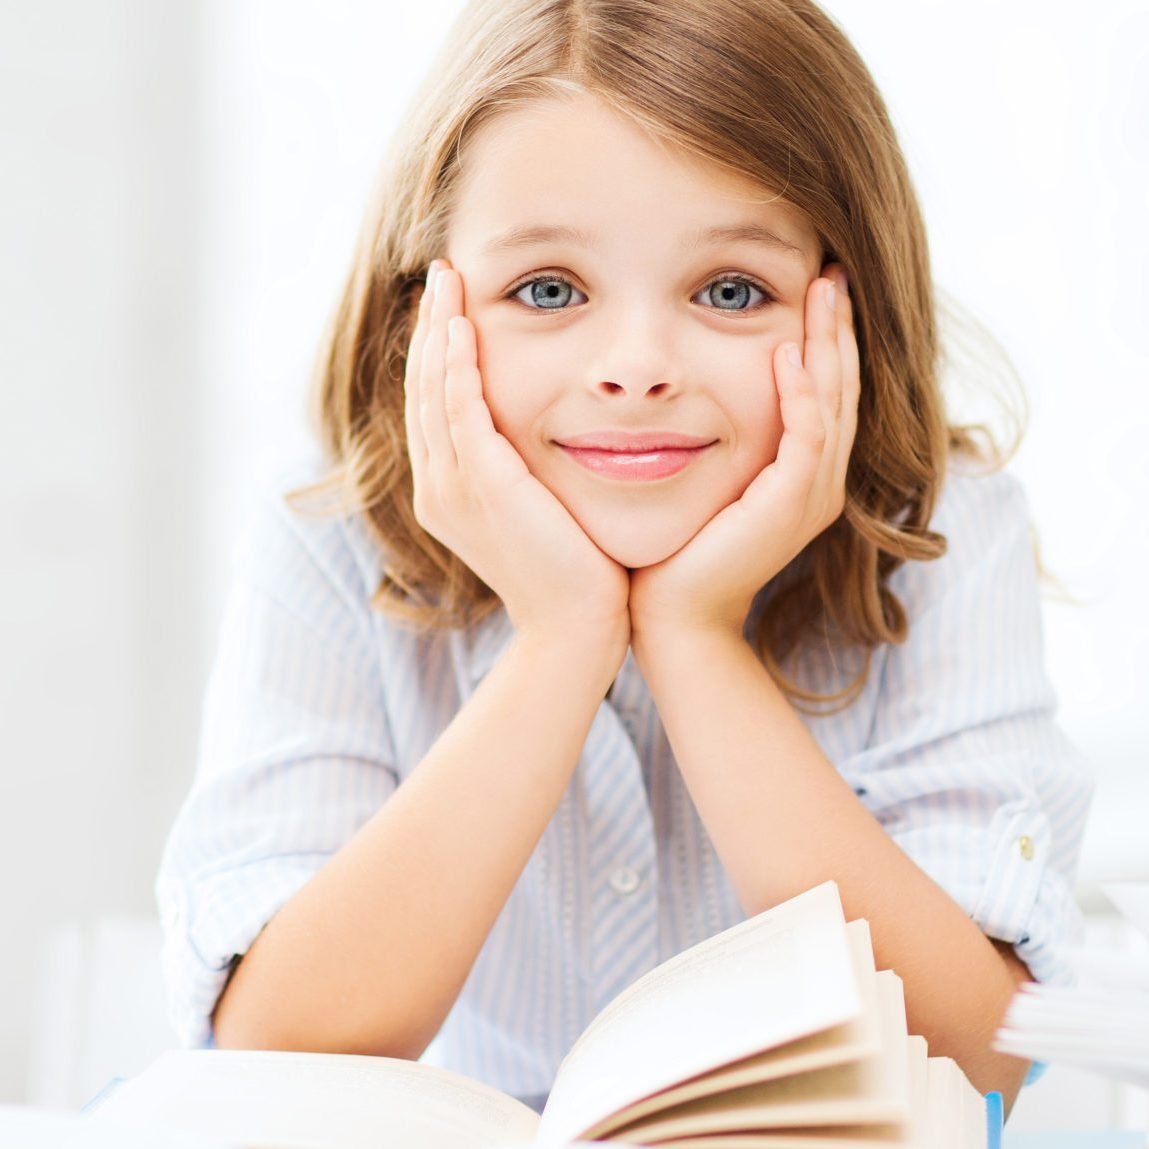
(711, 582)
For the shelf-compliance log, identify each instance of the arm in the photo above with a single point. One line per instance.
(371, 954)
(783, 819)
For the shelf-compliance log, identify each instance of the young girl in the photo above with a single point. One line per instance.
(657, 591)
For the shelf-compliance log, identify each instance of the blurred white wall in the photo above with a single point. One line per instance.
(1027, 127)
(101, 611)
(181, 185)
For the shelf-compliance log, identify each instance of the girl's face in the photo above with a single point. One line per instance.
(628, 300)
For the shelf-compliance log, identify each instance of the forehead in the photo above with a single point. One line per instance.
(575, 164)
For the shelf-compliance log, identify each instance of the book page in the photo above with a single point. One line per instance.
(917, 1129)
(947, 1122)
(853, 1138)
(1093, 1027)
(852, 1040)
(318, 1101)
(872, 1091)
(1102, 1023)
(780, 975)
(840, 1137)
(975, 1125)
(914, 1134)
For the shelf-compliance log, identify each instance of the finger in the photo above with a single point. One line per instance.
(851, 376)
(803, 442)
(468, 416)
(416, 444)
(432, 413)
(821, 354)
(823, 359)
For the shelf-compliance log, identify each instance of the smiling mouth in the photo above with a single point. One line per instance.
(635, 457)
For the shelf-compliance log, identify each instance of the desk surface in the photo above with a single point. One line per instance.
(38, 1129)
(43, 1129)
(1109, 1139)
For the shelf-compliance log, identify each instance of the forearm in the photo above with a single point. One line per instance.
(371, 954)
(782, 819)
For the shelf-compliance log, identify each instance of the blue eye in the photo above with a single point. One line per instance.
(548, 293)
(731, 293)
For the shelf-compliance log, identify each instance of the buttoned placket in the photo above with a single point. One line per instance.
(622, 861)
(597, 856)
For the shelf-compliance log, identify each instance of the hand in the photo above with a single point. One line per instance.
(474, 494)
(713, 579)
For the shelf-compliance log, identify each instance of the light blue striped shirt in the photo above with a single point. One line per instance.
(318, 707)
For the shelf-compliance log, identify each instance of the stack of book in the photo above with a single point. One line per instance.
(776, 1033)
(1101, 1023)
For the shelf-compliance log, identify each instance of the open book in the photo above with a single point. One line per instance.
(777, 1032)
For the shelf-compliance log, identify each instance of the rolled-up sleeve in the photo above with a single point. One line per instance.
(295, 753)
(965, 765)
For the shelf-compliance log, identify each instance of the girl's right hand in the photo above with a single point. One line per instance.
(474, 494)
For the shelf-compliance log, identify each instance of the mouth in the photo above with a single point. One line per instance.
(635, 456)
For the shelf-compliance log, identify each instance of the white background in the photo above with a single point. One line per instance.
(181, 184)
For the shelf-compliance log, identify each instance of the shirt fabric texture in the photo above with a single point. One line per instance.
(319, 706)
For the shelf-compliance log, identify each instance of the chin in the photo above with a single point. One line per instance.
(636, 549)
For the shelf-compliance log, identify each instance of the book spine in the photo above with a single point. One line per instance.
(994, 1120)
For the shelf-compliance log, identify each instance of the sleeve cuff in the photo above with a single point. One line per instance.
(203, 939)
(1002, 877)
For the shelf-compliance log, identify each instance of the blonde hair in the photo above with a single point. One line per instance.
(769, 89)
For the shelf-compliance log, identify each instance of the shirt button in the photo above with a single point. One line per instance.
(624, 881)
(1025, 846)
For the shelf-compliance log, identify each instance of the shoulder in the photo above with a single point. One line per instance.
(978, 502)
(297, 545)
(985, 518)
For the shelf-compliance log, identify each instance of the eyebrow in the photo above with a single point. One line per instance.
(517, 238)
(748, 233)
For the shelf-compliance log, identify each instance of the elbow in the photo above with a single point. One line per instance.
(240, 1020)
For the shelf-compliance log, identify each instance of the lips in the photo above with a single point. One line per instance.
(642, 456)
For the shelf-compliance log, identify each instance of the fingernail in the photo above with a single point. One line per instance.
(831, 296)
(793, 354)
(432, 275)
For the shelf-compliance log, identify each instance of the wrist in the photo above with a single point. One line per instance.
(685, 640)
(587, 652)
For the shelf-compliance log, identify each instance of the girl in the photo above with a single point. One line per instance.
(656, 590)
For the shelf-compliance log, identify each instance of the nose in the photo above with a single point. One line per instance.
(635, 357)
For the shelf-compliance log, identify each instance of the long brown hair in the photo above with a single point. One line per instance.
(769, 89)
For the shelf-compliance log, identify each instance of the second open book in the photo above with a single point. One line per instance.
(776, 1032)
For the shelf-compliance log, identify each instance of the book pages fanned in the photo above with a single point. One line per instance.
(319, 1101)
(926, 1127)
(873, 1090)
(852, 1040)
(780, 975)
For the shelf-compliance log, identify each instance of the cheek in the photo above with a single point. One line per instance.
(512, 373)
(755, 412)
